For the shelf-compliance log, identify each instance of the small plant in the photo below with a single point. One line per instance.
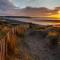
(2, 34)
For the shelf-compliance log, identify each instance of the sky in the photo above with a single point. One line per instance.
(36, 3)
(8, 6)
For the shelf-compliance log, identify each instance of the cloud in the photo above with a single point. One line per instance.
(37, 3)
(5, 5)
(7, 8)
(29, 11)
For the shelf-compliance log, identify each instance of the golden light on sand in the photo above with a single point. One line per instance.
(55, 16)
(58, 12)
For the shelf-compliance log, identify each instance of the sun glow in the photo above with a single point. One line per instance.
(58, 12)
(56, 16)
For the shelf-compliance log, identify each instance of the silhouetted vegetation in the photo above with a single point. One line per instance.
(27, 41)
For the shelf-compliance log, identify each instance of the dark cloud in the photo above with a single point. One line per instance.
(29, 11)
(5, 4)
(5, 7)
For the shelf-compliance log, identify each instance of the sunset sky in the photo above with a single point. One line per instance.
(14, 7)
(36, 3)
